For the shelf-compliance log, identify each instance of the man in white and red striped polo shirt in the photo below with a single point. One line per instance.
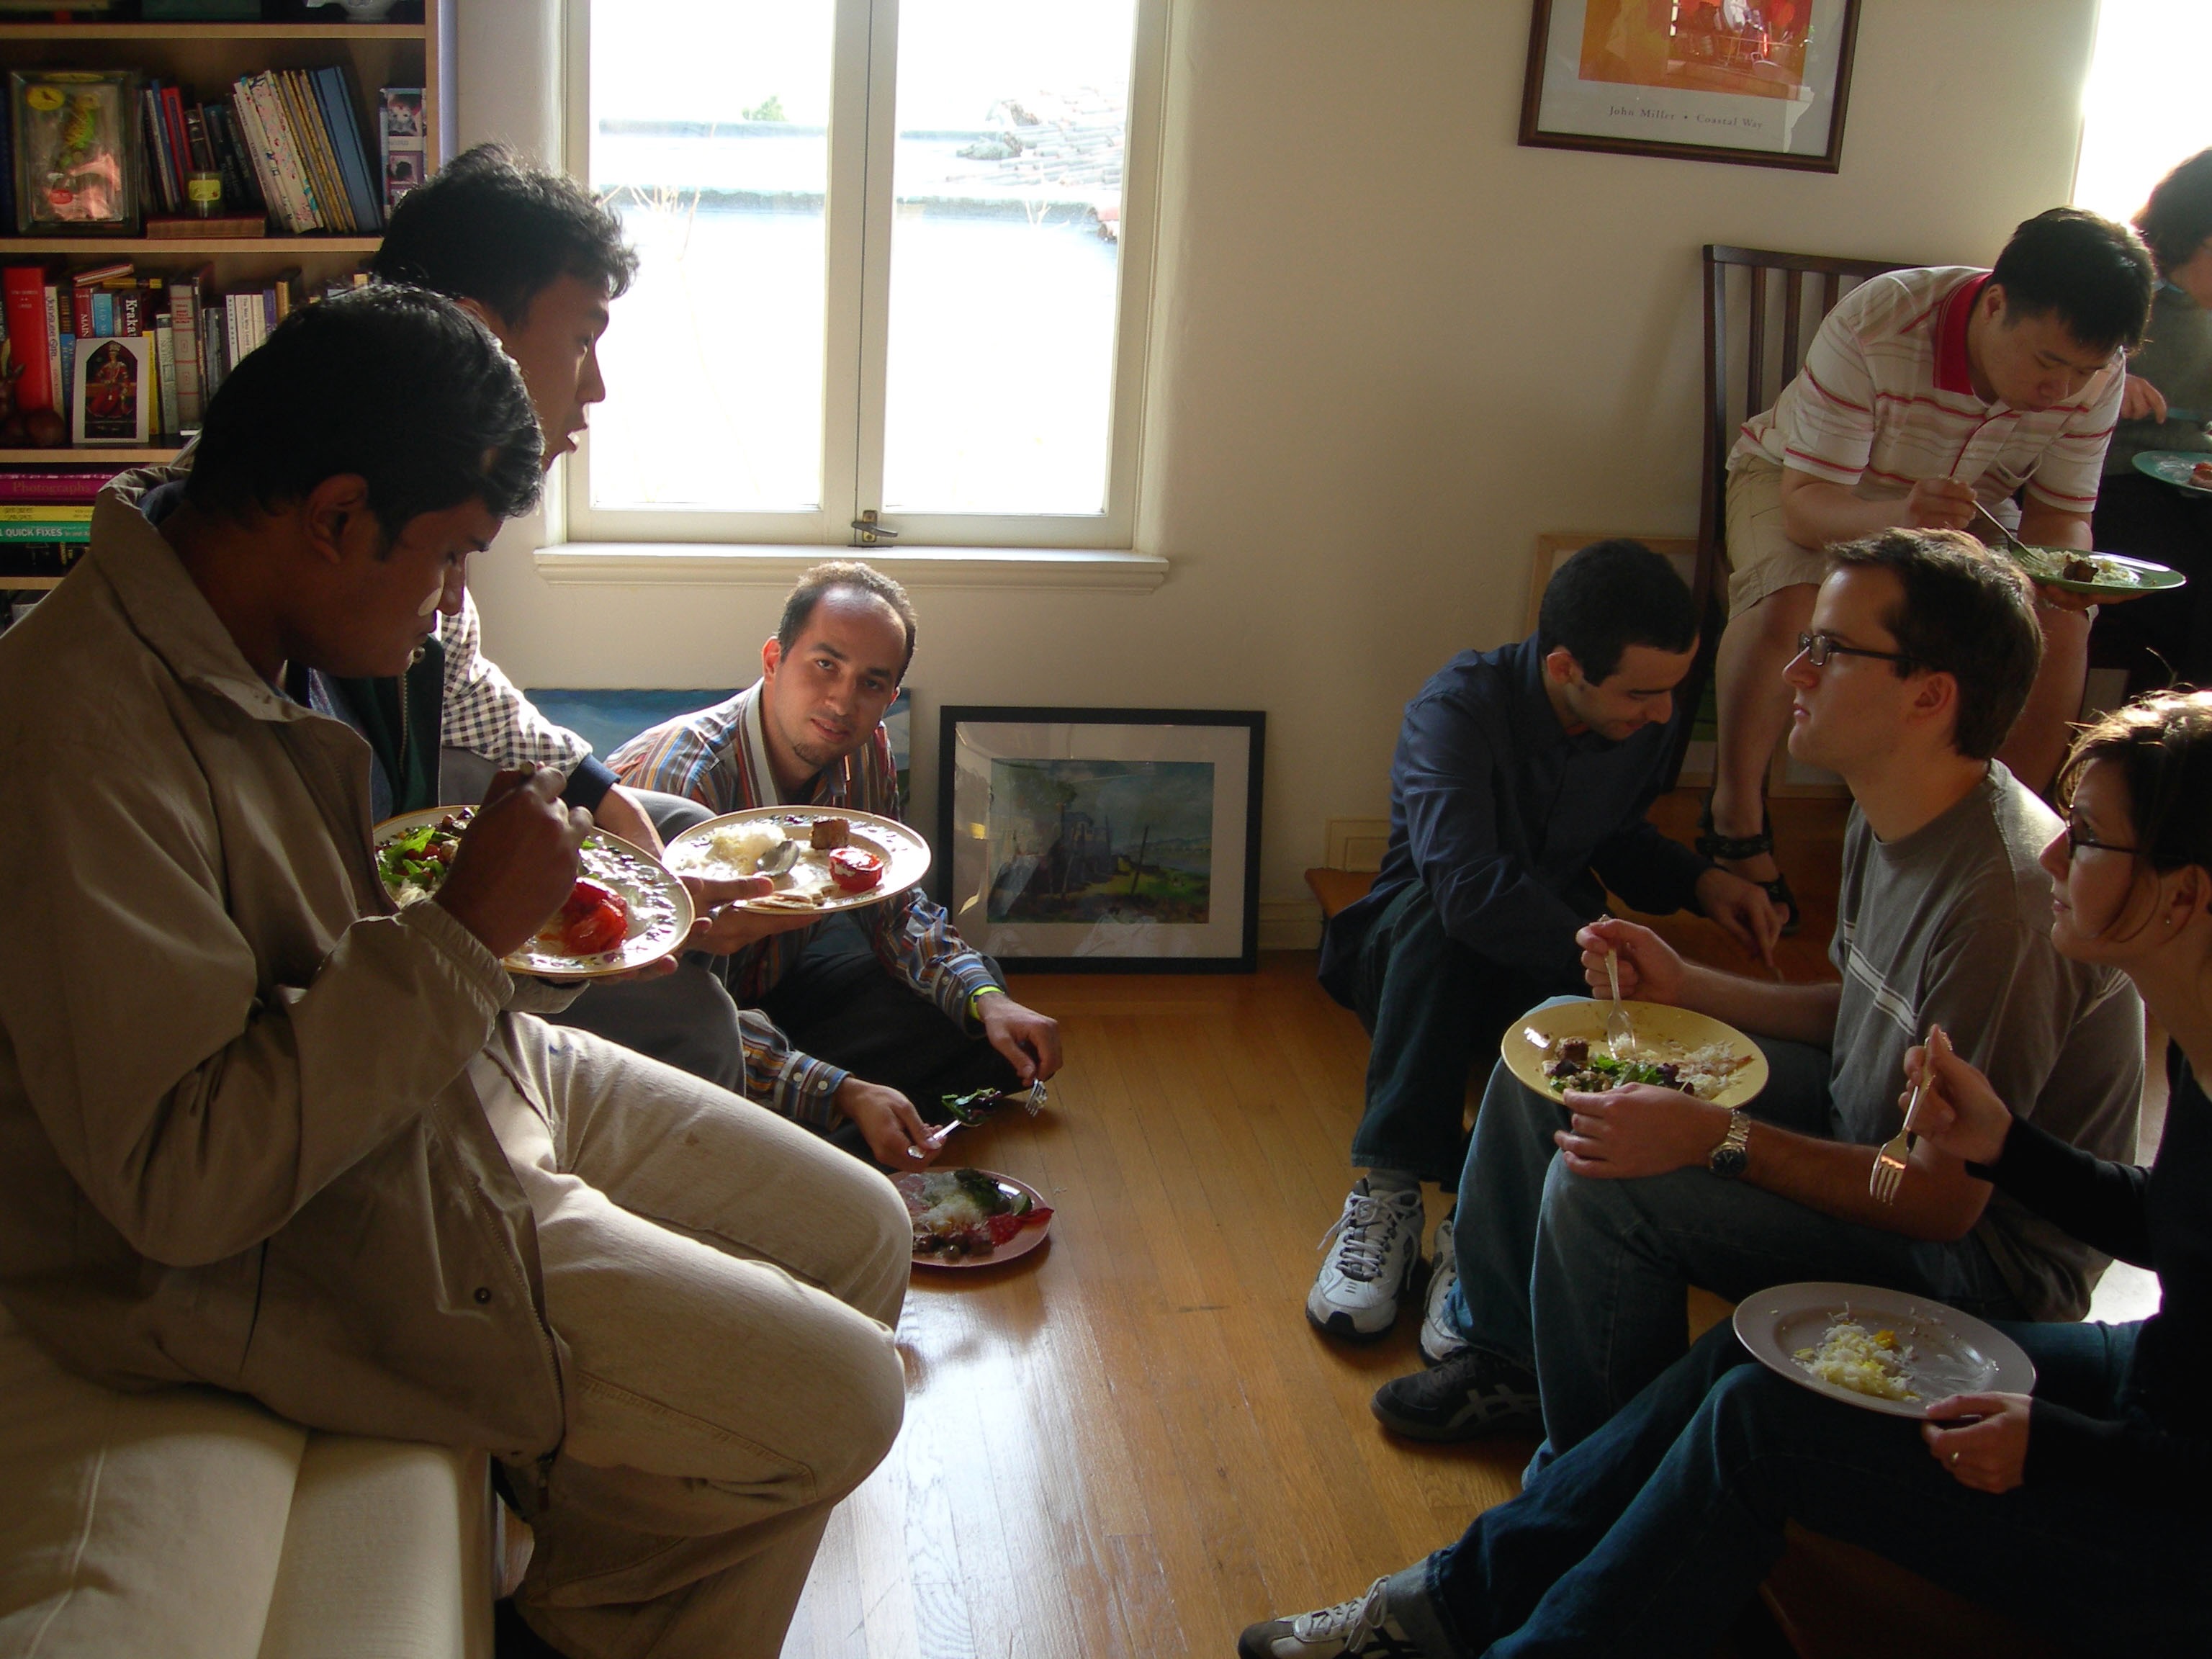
(1924, 393)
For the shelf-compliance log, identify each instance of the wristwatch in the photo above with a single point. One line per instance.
(1726, 1160)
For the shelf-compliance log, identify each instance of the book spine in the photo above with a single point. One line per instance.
(215, 348)
(24, 309)
(173, 125)
(164, 365)
(51, 299)
(263, 150)
(69, 376)
(184, 310)
(345, 138)
(196, 136)
(80, 310)
(269, 104)
(149, 365)
(46, 532)
(156, 144)
(239, 182)
(300, 103)
(44, 513)
(60, 488)
(130, 312)
(101, 317)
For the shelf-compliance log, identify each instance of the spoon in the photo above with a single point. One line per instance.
(778, 860)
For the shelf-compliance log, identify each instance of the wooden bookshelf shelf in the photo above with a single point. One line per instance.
(92, 247)
(27, 584)
(137, 31)
(67, 455)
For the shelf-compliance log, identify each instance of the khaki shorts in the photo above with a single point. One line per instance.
(1762, 559)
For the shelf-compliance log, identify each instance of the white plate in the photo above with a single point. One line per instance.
(1527, 1042)
(660, 913)
(1951, 1353)
(1019, 1245)
(905, 855)
(2174, 466)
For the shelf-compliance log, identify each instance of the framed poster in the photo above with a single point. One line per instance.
(1098, 839)
(1763, 83)
(112, 399)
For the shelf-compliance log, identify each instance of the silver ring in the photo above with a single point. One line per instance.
(1954, 1459)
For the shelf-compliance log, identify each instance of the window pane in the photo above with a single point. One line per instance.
(1012, 124)
(717, 157)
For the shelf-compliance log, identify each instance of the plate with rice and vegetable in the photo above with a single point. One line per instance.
(823, 860)
(1564, 1047)
(1885, 1351)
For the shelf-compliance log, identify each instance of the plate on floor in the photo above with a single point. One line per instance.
(934, 1201)
(660, 910)
(1933, 1351)
(2177, 467)
(732, 844)
(1664, 1035)
(2102, 576)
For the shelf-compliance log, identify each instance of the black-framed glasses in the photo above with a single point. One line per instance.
(1817, 648)
(2076, 839)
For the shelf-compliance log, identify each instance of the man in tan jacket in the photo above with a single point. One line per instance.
(258, 1129)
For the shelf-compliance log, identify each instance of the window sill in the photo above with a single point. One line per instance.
(640, 564)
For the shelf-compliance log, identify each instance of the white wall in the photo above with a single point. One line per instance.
(1391, 347)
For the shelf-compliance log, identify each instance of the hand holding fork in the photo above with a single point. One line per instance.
(1890, 1159)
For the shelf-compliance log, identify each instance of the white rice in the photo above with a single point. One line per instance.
(739, 848)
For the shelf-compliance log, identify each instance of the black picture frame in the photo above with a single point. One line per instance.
(1593, 108)
(1050, 907)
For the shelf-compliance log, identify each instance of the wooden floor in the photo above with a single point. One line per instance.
(1130, 1442)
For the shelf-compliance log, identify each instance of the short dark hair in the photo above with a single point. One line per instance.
(2179, 215)
(1609, 596)
(2095, 275)
(2162, 744)
(489, 227)
(1963, 612)
(401, 387)
(833, 573)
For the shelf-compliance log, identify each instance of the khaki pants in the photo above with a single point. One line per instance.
(1762, 559)
(725, 1286)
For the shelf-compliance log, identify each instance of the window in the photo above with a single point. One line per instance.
(893, 258)
(2144, 110)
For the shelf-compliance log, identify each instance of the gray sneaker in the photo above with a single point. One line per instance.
(1376, 1248)
(1473, 1394)
(1363, 1626)
(1439, 1339)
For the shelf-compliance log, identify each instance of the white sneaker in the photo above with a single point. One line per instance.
(1439, 1341)
(1377, 1246)
(1362, 1628)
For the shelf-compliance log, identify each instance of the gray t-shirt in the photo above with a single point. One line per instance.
(1950, 925)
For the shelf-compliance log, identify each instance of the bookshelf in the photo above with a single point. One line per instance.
(205, 60)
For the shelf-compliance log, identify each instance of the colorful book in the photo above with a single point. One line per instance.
(44, 513)
(154, 143)
(165, 364)
(23, 306)
(401, 151)
(302, 108)
(284, 205)
(184, 342)
(47, 532)
(215, 346)
(63, 486)
(50, 297)
(344, 129)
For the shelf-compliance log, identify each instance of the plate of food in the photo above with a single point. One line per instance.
(822, 858)
(625, 911)
(969, 1218)
(1563, 1046)
(1885, 1351)
(2103, 575)
(2185, 469)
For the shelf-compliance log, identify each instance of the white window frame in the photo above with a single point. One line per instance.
(855, 329)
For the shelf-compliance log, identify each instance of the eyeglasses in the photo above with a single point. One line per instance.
(1817, 648)
(2076, 840)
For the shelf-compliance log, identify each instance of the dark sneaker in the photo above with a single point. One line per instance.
(1472, 1394)
(1362, 1626)
(1374, 1251)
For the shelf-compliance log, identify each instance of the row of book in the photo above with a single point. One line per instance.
(165, 343)
(179, 139)
(45, 519)
(307, 150)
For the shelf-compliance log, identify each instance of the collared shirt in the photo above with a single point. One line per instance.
(1885, 399)
(1510, 823)
(718, 757)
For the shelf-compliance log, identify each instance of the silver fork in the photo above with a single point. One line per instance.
(1889, 1159)
(1034, 1101)
(1619, 1029)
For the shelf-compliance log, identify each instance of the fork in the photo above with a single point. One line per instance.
(1619, 1030)
(1034, 1101)
(1889, 1159)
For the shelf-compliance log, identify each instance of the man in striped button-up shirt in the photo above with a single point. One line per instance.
(852, 1018)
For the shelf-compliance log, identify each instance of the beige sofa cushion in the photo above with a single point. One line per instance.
(127, 1514)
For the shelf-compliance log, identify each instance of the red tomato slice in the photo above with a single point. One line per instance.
(854, 870)
(592, 920)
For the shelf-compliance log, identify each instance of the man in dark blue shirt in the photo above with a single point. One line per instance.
(1517, 797)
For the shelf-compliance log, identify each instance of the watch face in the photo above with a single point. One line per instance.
(1728, 1161)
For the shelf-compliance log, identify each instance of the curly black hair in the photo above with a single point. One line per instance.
(1609, 596)
(396, 385)
(492, 228)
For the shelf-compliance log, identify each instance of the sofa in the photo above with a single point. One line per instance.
(192, 1524)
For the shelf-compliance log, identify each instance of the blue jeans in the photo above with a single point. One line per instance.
(1588, 1279)
(1435, 1009)
(1650, 1536)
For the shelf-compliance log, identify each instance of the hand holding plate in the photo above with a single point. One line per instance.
(1990, 1452)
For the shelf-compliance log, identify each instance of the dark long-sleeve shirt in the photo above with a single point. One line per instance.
(1512, 824)
(2156, 1450)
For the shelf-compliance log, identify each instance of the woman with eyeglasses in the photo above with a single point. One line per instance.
(2080, 1511)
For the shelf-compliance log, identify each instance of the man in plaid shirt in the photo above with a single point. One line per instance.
(847, 1021)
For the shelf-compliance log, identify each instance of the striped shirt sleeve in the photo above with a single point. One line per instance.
(1824, 422)
(777, 1076)
(683, 756)
(2067, 475)
(484, 713)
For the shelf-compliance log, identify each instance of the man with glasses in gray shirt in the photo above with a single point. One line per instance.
(1574, 1268)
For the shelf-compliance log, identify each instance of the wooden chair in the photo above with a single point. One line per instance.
(1753, 348)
